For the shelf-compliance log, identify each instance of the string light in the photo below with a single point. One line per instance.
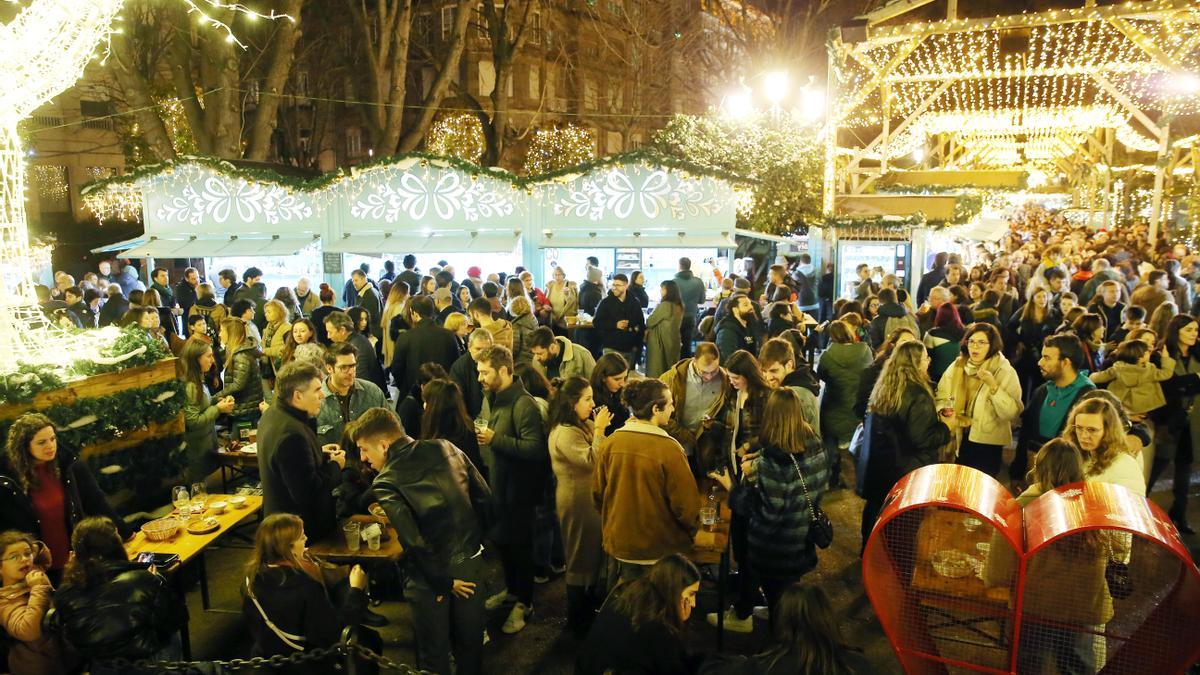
(558, 148)
(459, 135)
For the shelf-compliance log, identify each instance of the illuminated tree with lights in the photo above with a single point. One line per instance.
(459, 135)
(43, 51)
(783, 156)
(558, 148)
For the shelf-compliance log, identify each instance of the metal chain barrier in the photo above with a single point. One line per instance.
(340, 651)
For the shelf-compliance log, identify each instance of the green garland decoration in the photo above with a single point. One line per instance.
(131, 339)
(29, 380)
(297, 184)
(88, 421)
(143, 466)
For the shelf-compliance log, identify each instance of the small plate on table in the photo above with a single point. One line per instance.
(204, 526)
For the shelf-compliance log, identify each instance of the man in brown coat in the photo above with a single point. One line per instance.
(1152, 293)
(647, 497)
(699, 389)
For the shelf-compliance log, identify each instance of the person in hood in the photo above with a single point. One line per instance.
(980, 393)
(128, 280)
(591, 291)
(1061, 364)
(692, 292)
(892, 315)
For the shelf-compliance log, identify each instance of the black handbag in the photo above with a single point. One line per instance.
(820, 529)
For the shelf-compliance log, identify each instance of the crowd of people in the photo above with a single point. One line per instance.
(574, 430)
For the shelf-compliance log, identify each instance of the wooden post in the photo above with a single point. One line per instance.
(1160, 175)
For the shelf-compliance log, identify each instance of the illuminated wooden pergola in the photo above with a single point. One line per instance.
(1077, 94)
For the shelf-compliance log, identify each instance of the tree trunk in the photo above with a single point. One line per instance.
(500, 112)
(398, 79)
(179, 57)
(220, 73)
(415, 134)
(137, 96)
(283, 50)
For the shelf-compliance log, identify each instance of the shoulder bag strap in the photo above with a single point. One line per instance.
(812, 513)
(287, 638)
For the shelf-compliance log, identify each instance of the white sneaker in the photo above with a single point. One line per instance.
(498, 599)
(763, 613)
(732, 623)
(516, 618)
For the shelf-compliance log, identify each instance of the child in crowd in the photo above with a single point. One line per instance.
(1134, 379)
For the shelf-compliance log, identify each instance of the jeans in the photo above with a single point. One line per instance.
(687, 333)
(516, 550)
(452, 624)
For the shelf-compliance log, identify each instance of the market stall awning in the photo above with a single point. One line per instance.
(233, 247)
(119, 246)
(373, 244)
(610, 238)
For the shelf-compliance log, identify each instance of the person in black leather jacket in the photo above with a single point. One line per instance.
(439, 504)
(108, 607)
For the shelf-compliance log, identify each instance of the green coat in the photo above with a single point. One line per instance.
(663, 340)
(200, 433)
(840, 368)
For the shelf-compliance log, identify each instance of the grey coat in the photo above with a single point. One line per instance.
(663, 341)
(840, 368)
(200, 433)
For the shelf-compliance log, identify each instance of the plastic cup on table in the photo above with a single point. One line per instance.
(708, 517)
(352, 530)
(373, 542)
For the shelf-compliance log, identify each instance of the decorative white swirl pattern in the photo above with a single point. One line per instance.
(234, 200)
(639, 192)
(446, 195)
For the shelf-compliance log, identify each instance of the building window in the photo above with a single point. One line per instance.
(423, 29)
(614, 142)
(252, 91)
(447, 22)
(301, 84)
(354, 142)
(635, 141)
(589, 94)
(535, 29)
(535, 84)
(53, 188)
(96, 114)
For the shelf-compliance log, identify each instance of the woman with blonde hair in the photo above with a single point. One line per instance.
(199, 412)
(243, 380)
(564, 300)
(1094, 425)
(906, 431)
(288, 605)
(274, 338)
(396, 305)
(523, 325)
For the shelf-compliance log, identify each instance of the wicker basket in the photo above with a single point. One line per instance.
(161, 529)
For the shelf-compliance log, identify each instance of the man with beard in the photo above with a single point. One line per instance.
(740, 329)
(620, 321)
(1046, 414)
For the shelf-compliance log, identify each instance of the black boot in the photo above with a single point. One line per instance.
(579, 611)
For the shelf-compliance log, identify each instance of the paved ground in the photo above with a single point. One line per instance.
(544, 648)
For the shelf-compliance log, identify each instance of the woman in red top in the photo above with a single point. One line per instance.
(45, 490)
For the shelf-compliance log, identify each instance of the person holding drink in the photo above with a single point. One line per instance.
(781, 487)
(25, 596)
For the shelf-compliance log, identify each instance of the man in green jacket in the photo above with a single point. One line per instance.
(559, 357)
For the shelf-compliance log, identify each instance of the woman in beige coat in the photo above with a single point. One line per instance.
(564, 301)
(573, 441)
(981, 394)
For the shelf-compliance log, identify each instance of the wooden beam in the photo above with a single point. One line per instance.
(920, 110)
(1144, 43)
(878, 36)
(872, 84)
(1128, 104)
(951, 10)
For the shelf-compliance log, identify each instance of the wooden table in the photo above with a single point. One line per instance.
(235, 464)
(711, 547)
(334, 548)
(191, 547)
(962, 602)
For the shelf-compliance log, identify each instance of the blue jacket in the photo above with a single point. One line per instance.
(777, 510)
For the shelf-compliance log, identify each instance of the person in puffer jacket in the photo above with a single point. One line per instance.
(108, 607)
(1134, 379)
(243, 380)
(778, 493)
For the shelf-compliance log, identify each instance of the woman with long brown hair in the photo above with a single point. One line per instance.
(1178, 434)
(288, 606)
(445, 417)
(199, 412)
(778, 494)
(1095, 427)
(1037, 321)
(303, 332)
(640, 628)
(608, 381)
(46, 489)
(573, 443)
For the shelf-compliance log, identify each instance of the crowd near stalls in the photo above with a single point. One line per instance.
(467, 407)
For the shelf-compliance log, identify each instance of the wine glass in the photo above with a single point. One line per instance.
(179, 496)
(199, 497)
